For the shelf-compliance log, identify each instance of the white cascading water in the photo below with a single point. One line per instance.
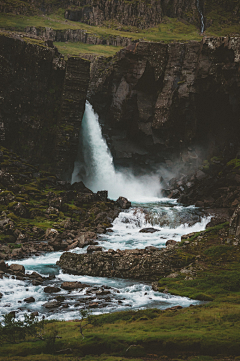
(100, 172)
(170, 220)
(201, 16)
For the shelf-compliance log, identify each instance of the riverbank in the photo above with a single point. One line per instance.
(210, 329)
(40, 213)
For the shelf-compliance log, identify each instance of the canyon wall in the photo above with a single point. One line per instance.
(141, 13)
(160, 100)
(42, 99)
(75, 35)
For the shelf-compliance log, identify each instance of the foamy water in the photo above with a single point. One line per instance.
(170, 219)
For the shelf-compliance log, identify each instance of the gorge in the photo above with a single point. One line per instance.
(120, 179)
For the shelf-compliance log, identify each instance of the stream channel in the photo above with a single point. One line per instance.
(149, 209)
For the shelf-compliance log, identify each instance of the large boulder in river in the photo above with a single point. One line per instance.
(145, 264)
(92, 249)
(51, 289)
(73, 285)
(17, 268)
(149, 230)
(123, 202)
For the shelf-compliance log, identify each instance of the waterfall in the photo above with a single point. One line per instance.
(95, 167)
(201, 16)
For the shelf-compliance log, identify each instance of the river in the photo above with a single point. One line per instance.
(149, 209)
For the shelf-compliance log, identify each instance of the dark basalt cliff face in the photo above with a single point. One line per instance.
(170, 99)
(142, 13)
(42, 102)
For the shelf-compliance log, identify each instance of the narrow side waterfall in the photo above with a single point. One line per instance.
(95, 167)
(201, 16)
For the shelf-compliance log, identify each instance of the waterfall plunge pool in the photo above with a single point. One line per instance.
(95, 167)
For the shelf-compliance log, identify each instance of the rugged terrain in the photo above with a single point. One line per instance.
(42, 101)
(167, 100)
(210, 272)
(41, 213)
(159, 102)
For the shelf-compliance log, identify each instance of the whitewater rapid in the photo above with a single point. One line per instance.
(125, 294)
(170, 219)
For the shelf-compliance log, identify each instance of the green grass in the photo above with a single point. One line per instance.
(78, 48)
(169, 30)
(209, 329)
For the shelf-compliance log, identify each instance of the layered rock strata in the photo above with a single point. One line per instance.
(142, 13)
(42, 101)
(78, 35)
(169, 99)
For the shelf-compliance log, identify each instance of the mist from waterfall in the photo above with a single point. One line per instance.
(96, 169)
(201, 16)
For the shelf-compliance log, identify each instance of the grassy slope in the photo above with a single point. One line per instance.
(222, 24)
(209, 329)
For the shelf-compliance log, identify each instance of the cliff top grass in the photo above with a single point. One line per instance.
(171, 29)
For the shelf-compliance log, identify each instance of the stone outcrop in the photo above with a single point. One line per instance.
(145, 264)
(141, 13)
(41, 213)
(164, 100)
(215, 187)
(42, 101)
(78, 35)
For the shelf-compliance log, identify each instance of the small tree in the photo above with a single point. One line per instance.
(14, 330)
(86, 319)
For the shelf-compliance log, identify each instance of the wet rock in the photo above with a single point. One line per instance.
(29, 299)
(51, 289)
(187, 236)
(92, 249)
(174, 308)
(93, 305)
(86, 238)
(17, 268)
(103, 195)
(37, 282)
(123, 202)
(52, 304)
(138, 263)
(35, 314)
(151, 248)
(35, 275)
(3, 266)
(72, 246)
(1, 295)
(69, 286)
(149, 230)
(171, 242)
(216, 220)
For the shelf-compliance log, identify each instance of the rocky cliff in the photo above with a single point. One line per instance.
(170, 99)
(42, 102)
(78, 35)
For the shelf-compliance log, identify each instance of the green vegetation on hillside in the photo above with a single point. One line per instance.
(77, 48)
(219, 23)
